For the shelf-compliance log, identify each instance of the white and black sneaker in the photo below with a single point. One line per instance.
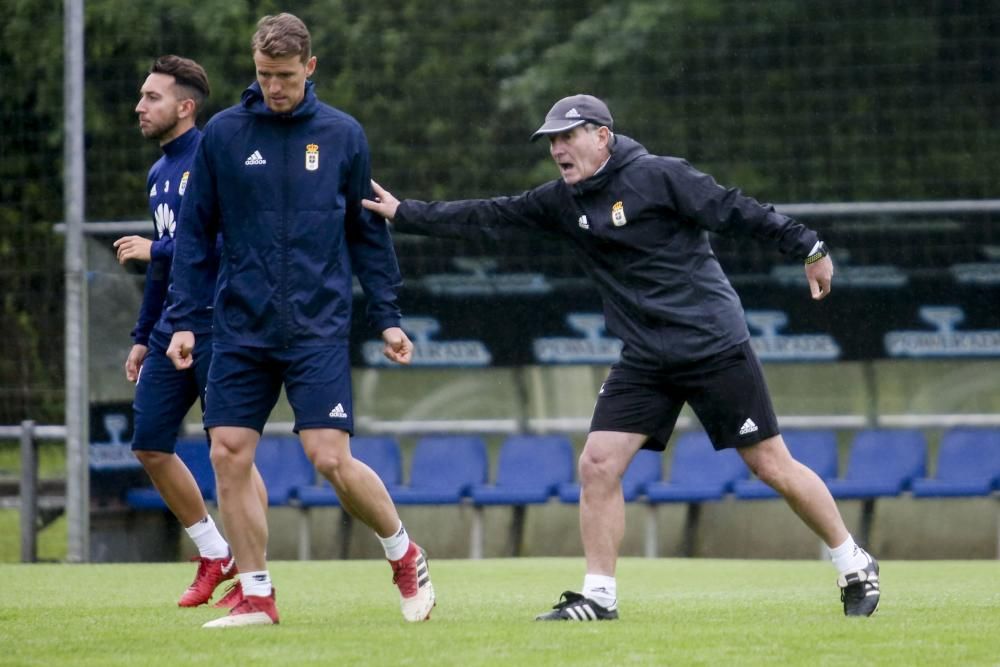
(859, 589)
(574, 607)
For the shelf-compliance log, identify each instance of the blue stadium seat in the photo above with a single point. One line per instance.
(968, 465)
(284, 466)
(698, 473)
(882, 462)
(815, 449)
(443, 471)
(381, 454)
(194, 451)
(530, 469)
(644, 469)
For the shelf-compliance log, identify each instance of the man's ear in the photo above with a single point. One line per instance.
(604, 133)
(187, 109)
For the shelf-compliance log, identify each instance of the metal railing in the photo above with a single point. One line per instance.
(29, 435)
(28, 507)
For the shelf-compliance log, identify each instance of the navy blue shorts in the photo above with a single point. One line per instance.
(164, 395)
(726, 391)
(244, 384)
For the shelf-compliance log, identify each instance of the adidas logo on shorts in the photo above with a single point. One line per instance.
(338, 412)
(748, 427)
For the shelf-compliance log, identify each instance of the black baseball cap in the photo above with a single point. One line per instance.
(573, 111)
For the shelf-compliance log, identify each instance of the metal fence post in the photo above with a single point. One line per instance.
(29, 493)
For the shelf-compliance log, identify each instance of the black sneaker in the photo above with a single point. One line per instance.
(574, 607)
(859, 589)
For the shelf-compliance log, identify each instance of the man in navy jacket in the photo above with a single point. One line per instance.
(282, 176)
(639, 225)
(170, 99)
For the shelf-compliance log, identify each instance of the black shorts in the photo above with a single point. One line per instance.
(726, 391)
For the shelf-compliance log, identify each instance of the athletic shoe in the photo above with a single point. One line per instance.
(574, 607)
(412, 577)
(232, 597)
(211, 573)
(859, 590)
(251, 610)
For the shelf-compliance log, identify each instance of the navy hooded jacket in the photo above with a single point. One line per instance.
(640, 227)
(285, 191)
(166, 184)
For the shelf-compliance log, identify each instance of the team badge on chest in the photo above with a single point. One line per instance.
(618, 214)
(312, 157)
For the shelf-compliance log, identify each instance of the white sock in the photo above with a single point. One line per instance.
(601, 589)
(848, 557)
(207, 538)
(396, 544)
(256, 583)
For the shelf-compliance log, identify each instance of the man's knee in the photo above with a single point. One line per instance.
(152, 459)
(603, 461)
(231, 452)
(329, 461)
(329, 452)
(770, 461)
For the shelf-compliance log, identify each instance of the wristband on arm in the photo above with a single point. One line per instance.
(819, 252)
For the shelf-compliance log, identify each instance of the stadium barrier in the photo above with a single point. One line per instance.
(36, 510)
(40, 505)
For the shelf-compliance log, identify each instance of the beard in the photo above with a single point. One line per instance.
(157, 132)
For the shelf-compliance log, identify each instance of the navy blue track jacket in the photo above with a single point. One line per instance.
(640, 229)
(166, 183)
(285, 191)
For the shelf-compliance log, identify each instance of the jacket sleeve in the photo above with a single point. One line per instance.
(529, 214)
(698, 197)
(163, 248)
(153, 295)
(373, 258)
(195, 255)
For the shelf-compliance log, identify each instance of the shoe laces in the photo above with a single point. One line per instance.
(404, 575)
(244, 606)
(203, 565)
(567, 599)
(231, 589)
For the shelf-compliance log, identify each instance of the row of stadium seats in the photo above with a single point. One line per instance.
(533, 469)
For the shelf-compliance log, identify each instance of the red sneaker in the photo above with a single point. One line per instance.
(412, 577)
(251, 610)
(211, 573)
(232, 597)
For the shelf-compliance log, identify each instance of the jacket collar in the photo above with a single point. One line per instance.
(253, 101)
(178, 145)
(623, 151)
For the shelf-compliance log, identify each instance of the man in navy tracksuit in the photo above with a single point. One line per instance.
(281, 176)
(170, 99)
(639, 225)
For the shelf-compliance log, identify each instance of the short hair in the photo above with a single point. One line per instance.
(281, 36)
(189, 77)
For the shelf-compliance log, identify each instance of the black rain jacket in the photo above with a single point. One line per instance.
(640, 228)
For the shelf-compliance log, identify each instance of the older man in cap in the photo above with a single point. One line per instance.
(639, 224)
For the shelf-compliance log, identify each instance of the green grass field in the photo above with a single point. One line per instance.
(674, 612)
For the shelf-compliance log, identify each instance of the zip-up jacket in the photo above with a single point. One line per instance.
(285, 191)
(166, 183)
(640, 228)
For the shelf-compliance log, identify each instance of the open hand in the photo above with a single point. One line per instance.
(384, 203)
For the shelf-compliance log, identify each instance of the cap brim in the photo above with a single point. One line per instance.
(557, 126)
